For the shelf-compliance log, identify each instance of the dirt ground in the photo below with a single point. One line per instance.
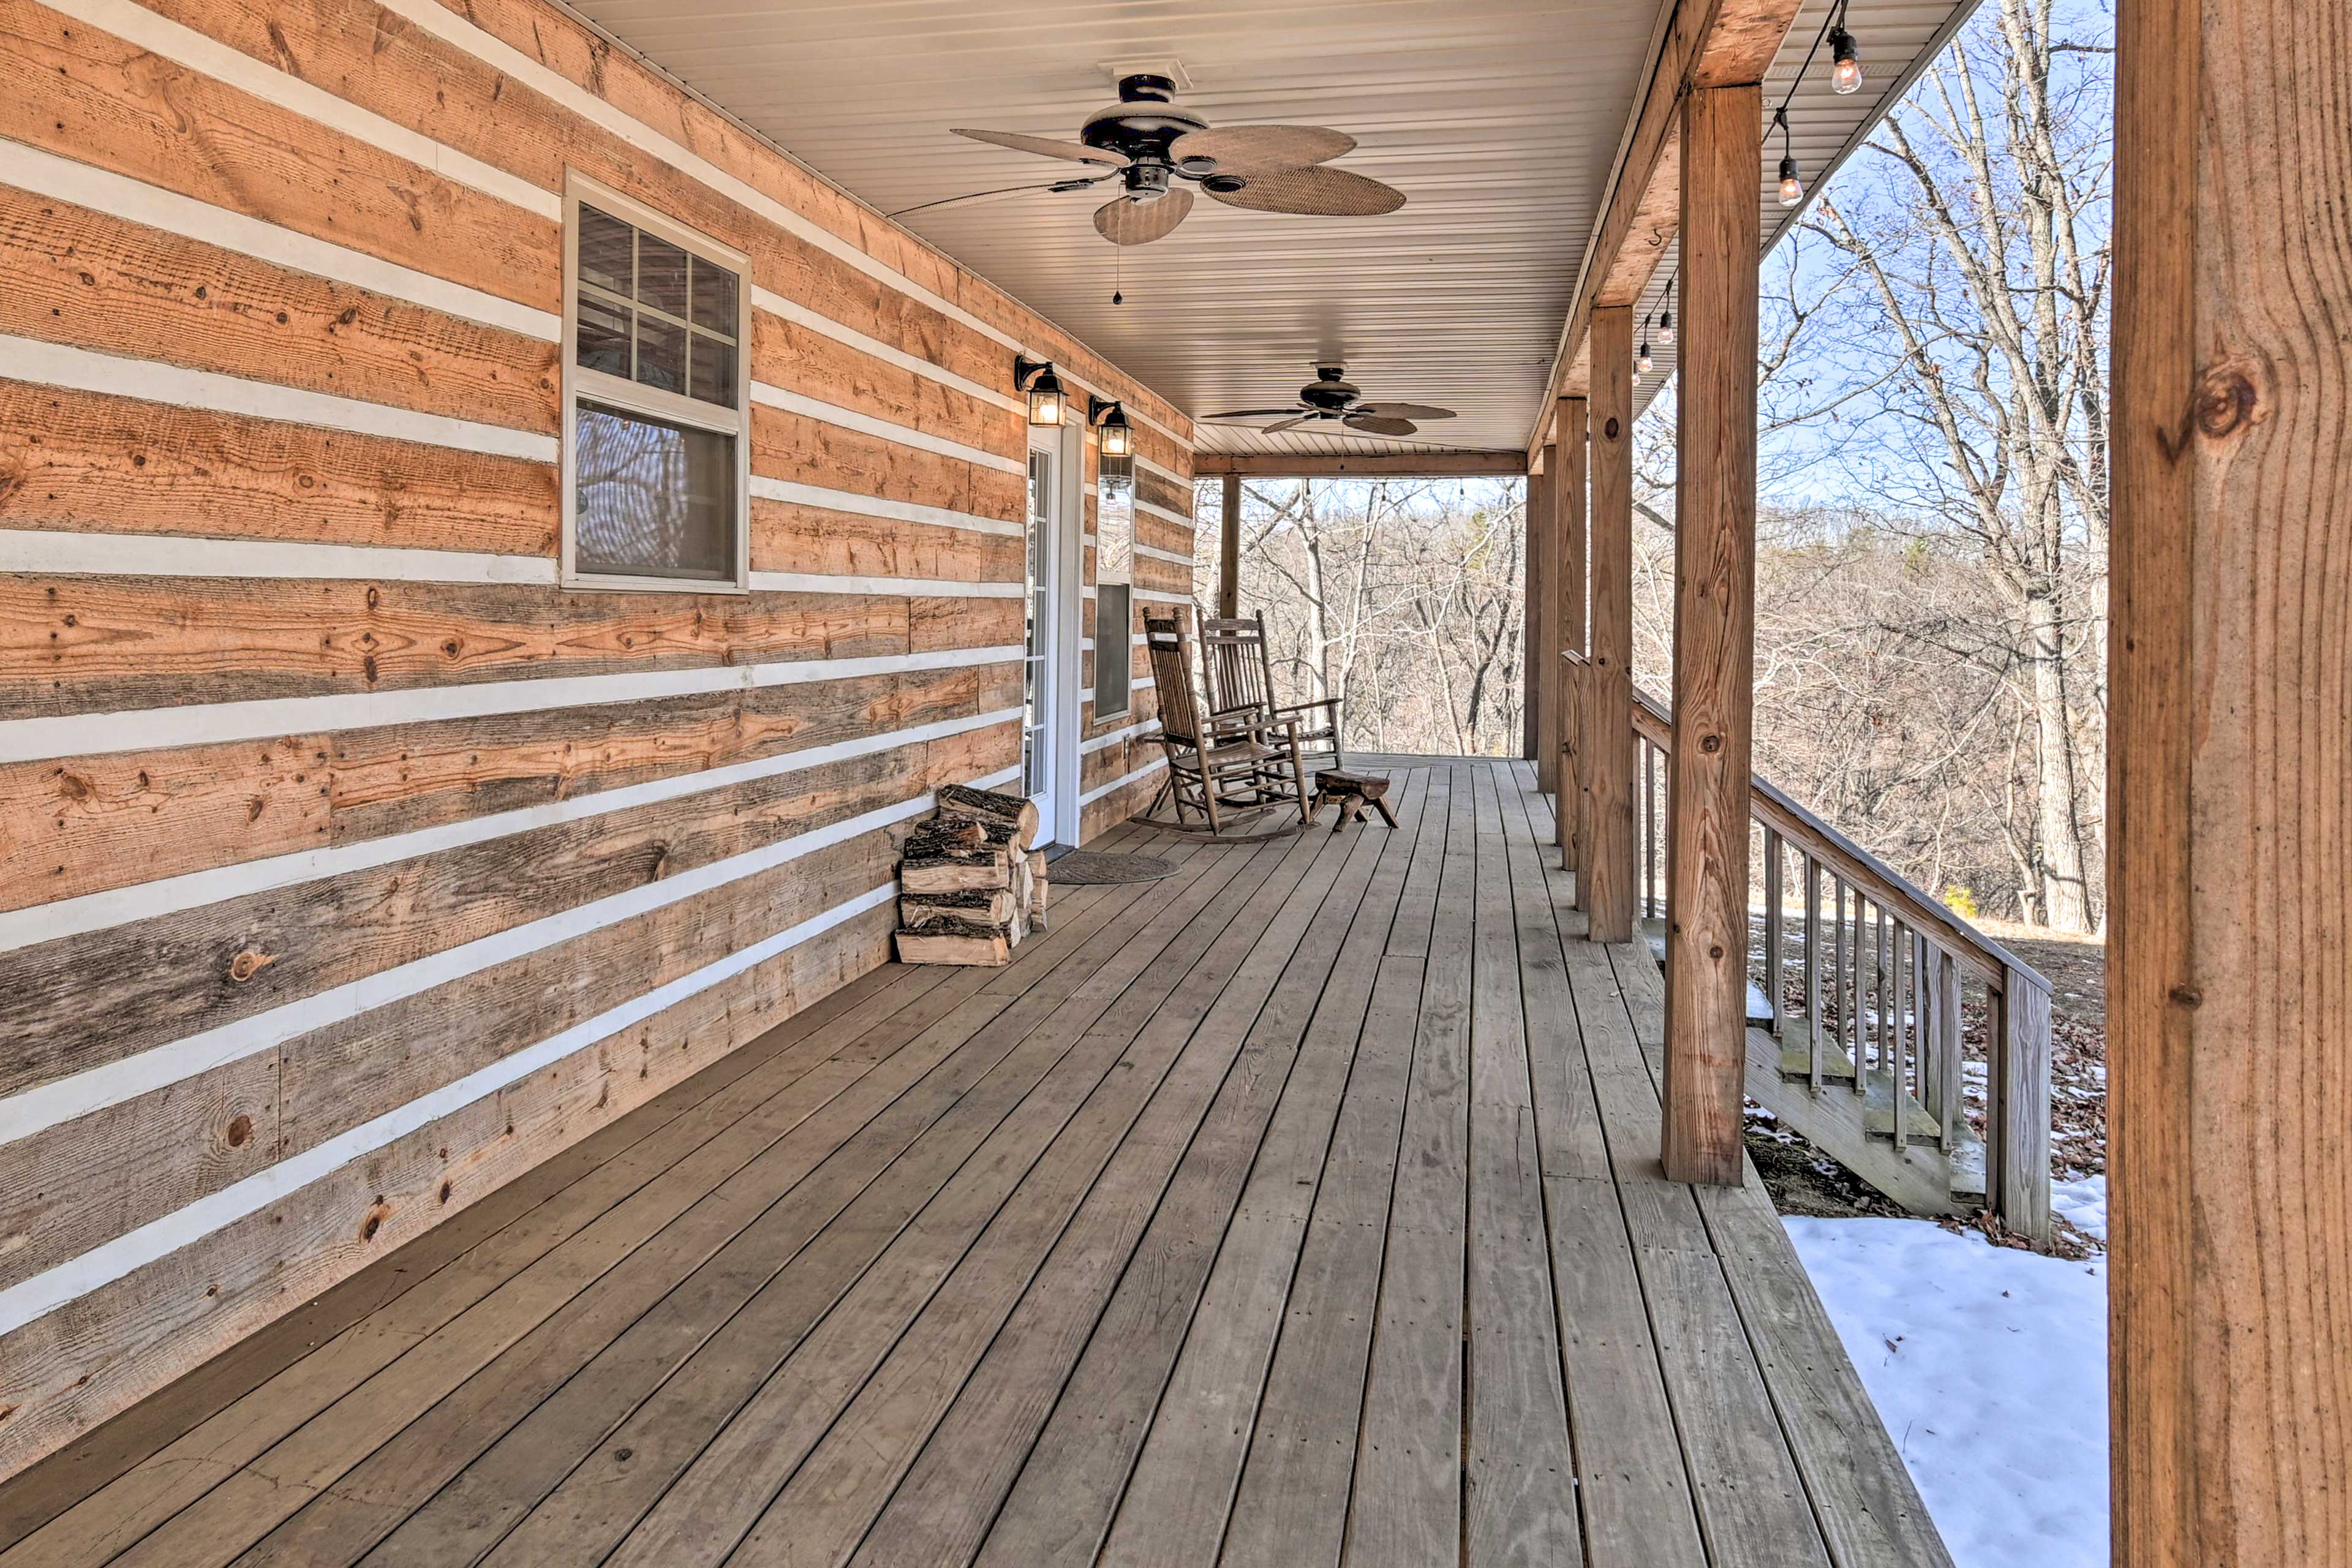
(1804, 1181)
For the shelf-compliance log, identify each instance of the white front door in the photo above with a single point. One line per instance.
(1048, 719)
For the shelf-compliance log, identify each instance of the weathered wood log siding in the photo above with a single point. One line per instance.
(348, 866)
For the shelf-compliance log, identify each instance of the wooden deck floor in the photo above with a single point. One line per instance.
(1301, 1209)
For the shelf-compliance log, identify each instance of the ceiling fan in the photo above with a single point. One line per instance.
(1147, 144)
(1332, 398)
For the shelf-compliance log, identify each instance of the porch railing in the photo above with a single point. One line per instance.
(1870, 987)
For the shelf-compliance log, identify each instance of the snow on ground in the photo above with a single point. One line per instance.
(1990, 1368)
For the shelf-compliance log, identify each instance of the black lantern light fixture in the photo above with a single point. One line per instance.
(1110, 420)
(1048, 402)
(1115, 438)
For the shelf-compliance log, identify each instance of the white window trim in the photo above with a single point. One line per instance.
(597, 386)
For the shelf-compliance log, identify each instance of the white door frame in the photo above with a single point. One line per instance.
(1057, 799)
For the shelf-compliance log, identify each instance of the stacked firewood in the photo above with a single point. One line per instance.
(971, 885)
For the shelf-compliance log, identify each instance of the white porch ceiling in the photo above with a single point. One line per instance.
(1500, 120)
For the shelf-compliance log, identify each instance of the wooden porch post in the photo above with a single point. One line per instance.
(1604, 882)
(1229, 550)
(2230, 784)
(1543, 619)
(1568, 500)
(1715, 636)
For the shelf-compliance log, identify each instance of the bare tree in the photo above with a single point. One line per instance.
(1977, 232)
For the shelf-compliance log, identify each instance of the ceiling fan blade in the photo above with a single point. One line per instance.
(1374, 425)
(1403, 411)
(1128, 221)
(1080, 183)
(1047, 146)
(1262, 149)
(1289, 424)
(1315, 192)
(1251, 414)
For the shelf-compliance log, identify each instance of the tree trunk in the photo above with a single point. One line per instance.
(2065, 891)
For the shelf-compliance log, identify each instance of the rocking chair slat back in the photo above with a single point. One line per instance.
(1180, 716)
(1233, 658)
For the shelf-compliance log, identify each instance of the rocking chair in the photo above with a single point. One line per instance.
(1218, 769)
(1240, 670)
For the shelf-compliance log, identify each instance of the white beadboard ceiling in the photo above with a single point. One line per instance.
(1500, 120)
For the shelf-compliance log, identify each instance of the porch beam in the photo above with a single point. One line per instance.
(1569, 502)
(2229, 822)
(1229, 549)
(1367, 466)
(1604, 882)
(1706, 44)
(1715, 639)
(1543, 619)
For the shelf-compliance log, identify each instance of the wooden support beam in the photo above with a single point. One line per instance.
(2228, 817)
(1706, 44)
(1367, 466)
(1605, 881)
(1229, 549)
(1569, 502)
(1714, 640)
(1543, 620)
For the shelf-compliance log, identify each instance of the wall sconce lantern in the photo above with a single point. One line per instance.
(1115, 436)
(1046, 399)
(1110, 419)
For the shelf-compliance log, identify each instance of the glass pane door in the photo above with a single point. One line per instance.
(1036, 693)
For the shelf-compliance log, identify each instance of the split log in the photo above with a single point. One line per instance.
(979, 906)
(957, 941)
(958, 802)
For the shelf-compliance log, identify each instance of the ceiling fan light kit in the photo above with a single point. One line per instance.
(1331, 399)
(1148, 143)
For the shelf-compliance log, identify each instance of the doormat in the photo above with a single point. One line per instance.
(1085, 868)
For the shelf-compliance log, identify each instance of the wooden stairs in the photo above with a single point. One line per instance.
(1934, 1171)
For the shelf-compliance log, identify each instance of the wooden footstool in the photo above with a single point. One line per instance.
(1351, 793)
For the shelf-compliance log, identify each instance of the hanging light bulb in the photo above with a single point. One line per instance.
(1642, 361)
(1793, 189)
(1846, 67)
(1666, 321)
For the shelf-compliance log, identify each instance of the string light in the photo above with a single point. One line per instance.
(1666, 321)
(1793, 189)
(1642, 358)
(1845, 60)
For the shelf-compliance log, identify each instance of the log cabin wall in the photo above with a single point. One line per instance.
(350, 867)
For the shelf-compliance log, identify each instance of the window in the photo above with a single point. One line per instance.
(656, 450)
(1114, 596)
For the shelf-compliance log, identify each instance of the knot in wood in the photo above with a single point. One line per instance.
(1712, 744)
(249, 963)
(2186, 996)
(1610, 428)
(239, 1131)
(2225, 401)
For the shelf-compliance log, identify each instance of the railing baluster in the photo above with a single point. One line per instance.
(1813, 972)
(1772, 930)
(1898, 940)
(1949, 1047)
(1850, 997)
(1649, 832)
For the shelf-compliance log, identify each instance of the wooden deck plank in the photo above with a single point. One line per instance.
(1303, 1208)
(1407, 1495)
(1180, 1495)
(1517, 1486)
